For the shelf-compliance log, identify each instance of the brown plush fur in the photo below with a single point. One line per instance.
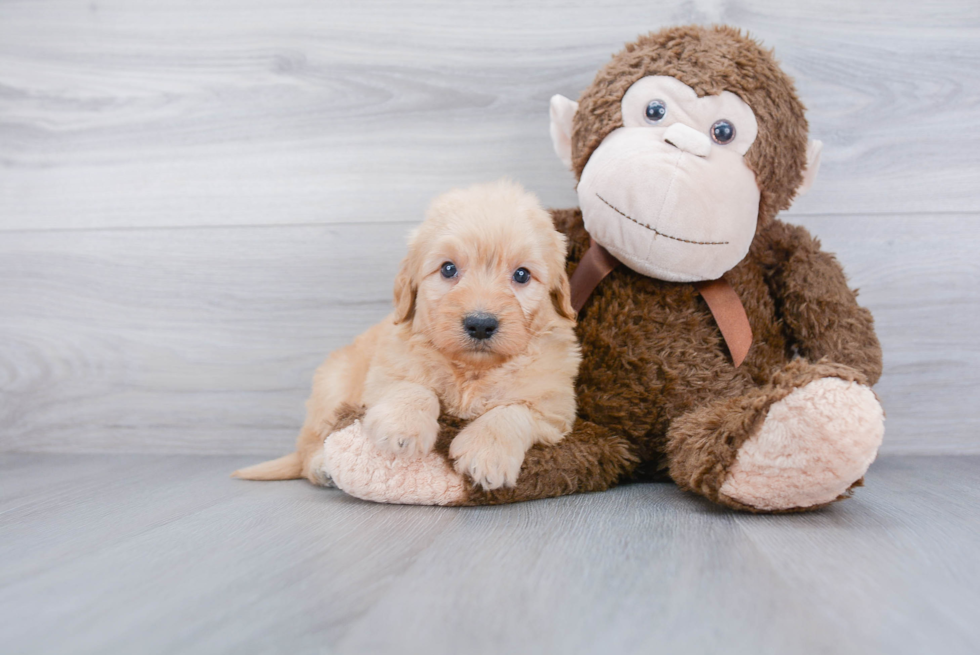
(656, 372)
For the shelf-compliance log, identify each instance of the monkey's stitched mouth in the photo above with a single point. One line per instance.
(658, 232)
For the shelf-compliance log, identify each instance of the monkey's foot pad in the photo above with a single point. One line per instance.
(813, 445)
(358, 467)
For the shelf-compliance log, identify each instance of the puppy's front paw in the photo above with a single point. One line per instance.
(401, 429)
(492, 460)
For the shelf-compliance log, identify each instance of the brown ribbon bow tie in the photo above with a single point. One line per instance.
(722, 300)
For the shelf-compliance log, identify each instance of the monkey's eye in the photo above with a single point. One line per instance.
(522, 275)
(656, 110)
(448, 270)
(722, 132)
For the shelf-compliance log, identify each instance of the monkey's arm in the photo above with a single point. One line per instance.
(819, 310)
(590, 458)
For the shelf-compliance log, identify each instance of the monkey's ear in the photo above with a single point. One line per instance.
(405, 292)
(562, 112)
(813, 150)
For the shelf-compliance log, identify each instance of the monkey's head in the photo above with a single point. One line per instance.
(686, 143)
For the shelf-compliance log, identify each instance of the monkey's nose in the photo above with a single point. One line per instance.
(688, 139)
(480, 326)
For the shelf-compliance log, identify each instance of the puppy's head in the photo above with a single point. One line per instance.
(485, 272)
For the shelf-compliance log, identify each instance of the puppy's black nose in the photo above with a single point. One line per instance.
(480, 326)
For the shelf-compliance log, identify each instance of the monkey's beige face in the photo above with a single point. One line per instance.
(669, 193)
(488, 271)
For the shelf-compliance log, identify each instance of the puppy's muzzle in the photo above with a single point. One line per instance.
(480, 326)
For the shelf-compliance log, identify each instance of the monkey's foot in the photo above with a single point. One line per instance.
(357, 466)
(813, 445)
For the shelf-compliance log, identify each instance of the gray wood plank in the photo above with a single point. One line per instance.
(190, 113)
(205, 340)
(163, 554)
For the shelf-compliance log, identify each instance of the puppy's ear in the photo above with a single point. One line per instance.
(405, 291)
(561, 297)
(561, 290)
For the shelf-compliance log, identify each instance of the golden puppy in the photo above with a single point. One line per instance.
(483, 329)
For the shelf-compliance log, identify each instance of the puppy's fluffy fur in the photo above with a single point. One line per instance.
(517, 386)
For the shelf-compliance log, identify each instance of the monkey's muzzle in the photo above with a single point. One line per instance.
(669, 204)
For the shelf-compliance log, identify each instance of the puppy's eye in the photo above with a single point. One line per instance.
(522, 275)
(448, 270)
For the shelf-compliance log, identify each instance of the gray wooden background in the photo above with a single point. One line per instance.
(200, 198)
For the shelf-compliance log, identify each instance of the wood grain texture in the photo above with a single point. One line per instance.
(205, 340)
(104, 554)
(120, 114)
(187, 340)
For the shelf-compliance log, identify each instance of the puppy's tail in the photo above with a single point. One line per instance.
(288, 467)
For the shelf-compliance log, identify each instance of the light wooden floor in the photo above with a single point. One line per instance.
(106, 554)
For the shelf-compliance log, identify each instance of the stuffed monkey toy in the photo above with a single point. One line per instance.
(721, 346)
